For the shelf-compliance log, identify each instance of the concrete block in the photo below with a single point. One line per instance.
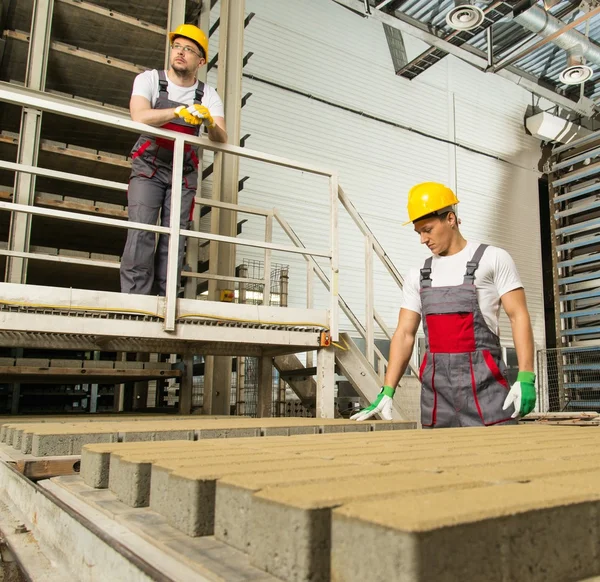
(235, 493)
(197, 519)
(32, 362)
(158, 435)
(274, 431)
(224, 433)
(296, 430)
(95, 468)
(542, 530)
(98, 364)
(44, 445)
(357, 427)
(296, 520)
(60, 363)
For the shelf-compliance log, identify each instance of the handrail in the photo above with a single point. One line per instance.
(316, 268)
(39, 100)
(43, 101)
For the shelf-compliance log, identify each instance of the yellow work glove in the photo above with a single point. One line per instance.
(202, 114)
(184, 113)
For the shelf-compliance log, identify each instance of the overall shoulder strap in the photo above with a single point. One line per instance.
(425, 279)
(473, 265)
(199, 93)
(163, 84)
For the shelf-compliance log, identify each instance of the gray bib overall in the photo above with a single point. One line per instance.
(144, 269)
(463, 379)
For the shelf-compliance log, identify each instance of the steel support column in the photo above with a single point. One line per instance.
(264, 404)
(217, 380)
(29, 139)
(192, 255)
(176, 16)
(325, 382)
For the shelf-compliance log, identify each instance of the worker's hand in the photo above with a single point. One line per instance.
(184, 113)
(522, 394)
(202, 114)
(382, 406)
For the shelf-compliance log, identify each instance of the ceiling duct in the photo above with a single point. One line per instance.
(464, 15)
(577, 71)
(577, 45)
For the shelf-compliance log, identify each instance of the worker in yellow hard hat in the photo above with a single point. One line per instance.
(457, 294)
(176, 100)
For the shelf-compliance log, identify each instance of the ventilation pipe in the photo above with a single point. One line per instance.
(577, 45)
(464, 16)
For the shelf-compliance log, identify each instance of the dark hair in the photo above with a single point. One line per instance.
(202, 53)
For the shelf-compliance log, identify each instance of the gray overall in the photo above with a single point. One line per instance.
(144, 271)
(462, 374)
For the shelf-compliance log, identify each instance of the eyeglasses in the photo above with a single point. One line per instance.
(185, 49)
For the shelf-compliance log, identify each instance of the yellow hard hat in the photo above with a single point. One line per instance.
(427, 198)
(193, 33)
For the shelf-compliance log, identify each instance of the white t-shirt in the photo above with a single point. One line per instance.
(497, 274)
(146, 85)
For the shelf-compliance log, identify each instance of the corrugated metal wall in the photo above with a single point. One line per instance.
(318, 48)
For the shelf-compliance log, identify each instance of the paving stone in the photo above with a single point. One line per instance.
(541, 530)
(289, 526)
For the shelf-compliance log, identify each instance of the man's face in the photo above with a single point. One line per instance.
(436, 232)
(185, 56)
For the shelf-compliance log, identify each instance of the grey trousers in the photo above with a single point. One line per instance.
(144, 263)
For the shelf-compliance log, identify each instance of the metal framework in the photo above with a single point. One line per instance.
(583, 106)
(575, 229)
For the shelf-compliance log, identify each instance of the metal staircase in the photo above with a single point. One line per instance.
(575, 226)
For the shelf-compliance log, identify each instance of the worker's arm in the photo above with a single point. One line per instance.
(401, 348)
(522, 392)
(218, 132)
(515, 305)
(141, 111)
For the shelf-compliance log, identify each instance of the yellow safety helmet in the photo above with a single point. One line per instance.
(428, 198)
(193, 33)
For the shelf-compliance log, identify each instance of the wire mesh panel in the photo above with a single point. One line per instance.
(568, 379)
(252, 293)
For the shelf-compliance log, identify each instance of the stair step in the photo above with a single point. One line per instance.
(298, 373)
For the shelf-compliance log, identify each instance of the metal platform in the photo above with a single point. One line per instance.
(55, 318)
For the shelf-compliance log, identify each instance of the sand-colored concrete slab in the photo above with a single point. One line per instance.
(275, 496)
(53, 438)
(544, 529)
(130, 477)
(187, 498)
(296, 520)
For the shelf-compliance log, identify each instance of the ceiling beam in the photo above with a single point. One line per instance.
(584, 106)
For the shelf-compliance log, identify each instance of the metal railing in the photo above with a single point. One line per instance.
(86, 113)
(372, 318)
(568, 379)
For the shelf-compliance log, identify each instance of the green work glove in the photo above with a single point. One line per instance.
(382, 406)
(522, 394)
